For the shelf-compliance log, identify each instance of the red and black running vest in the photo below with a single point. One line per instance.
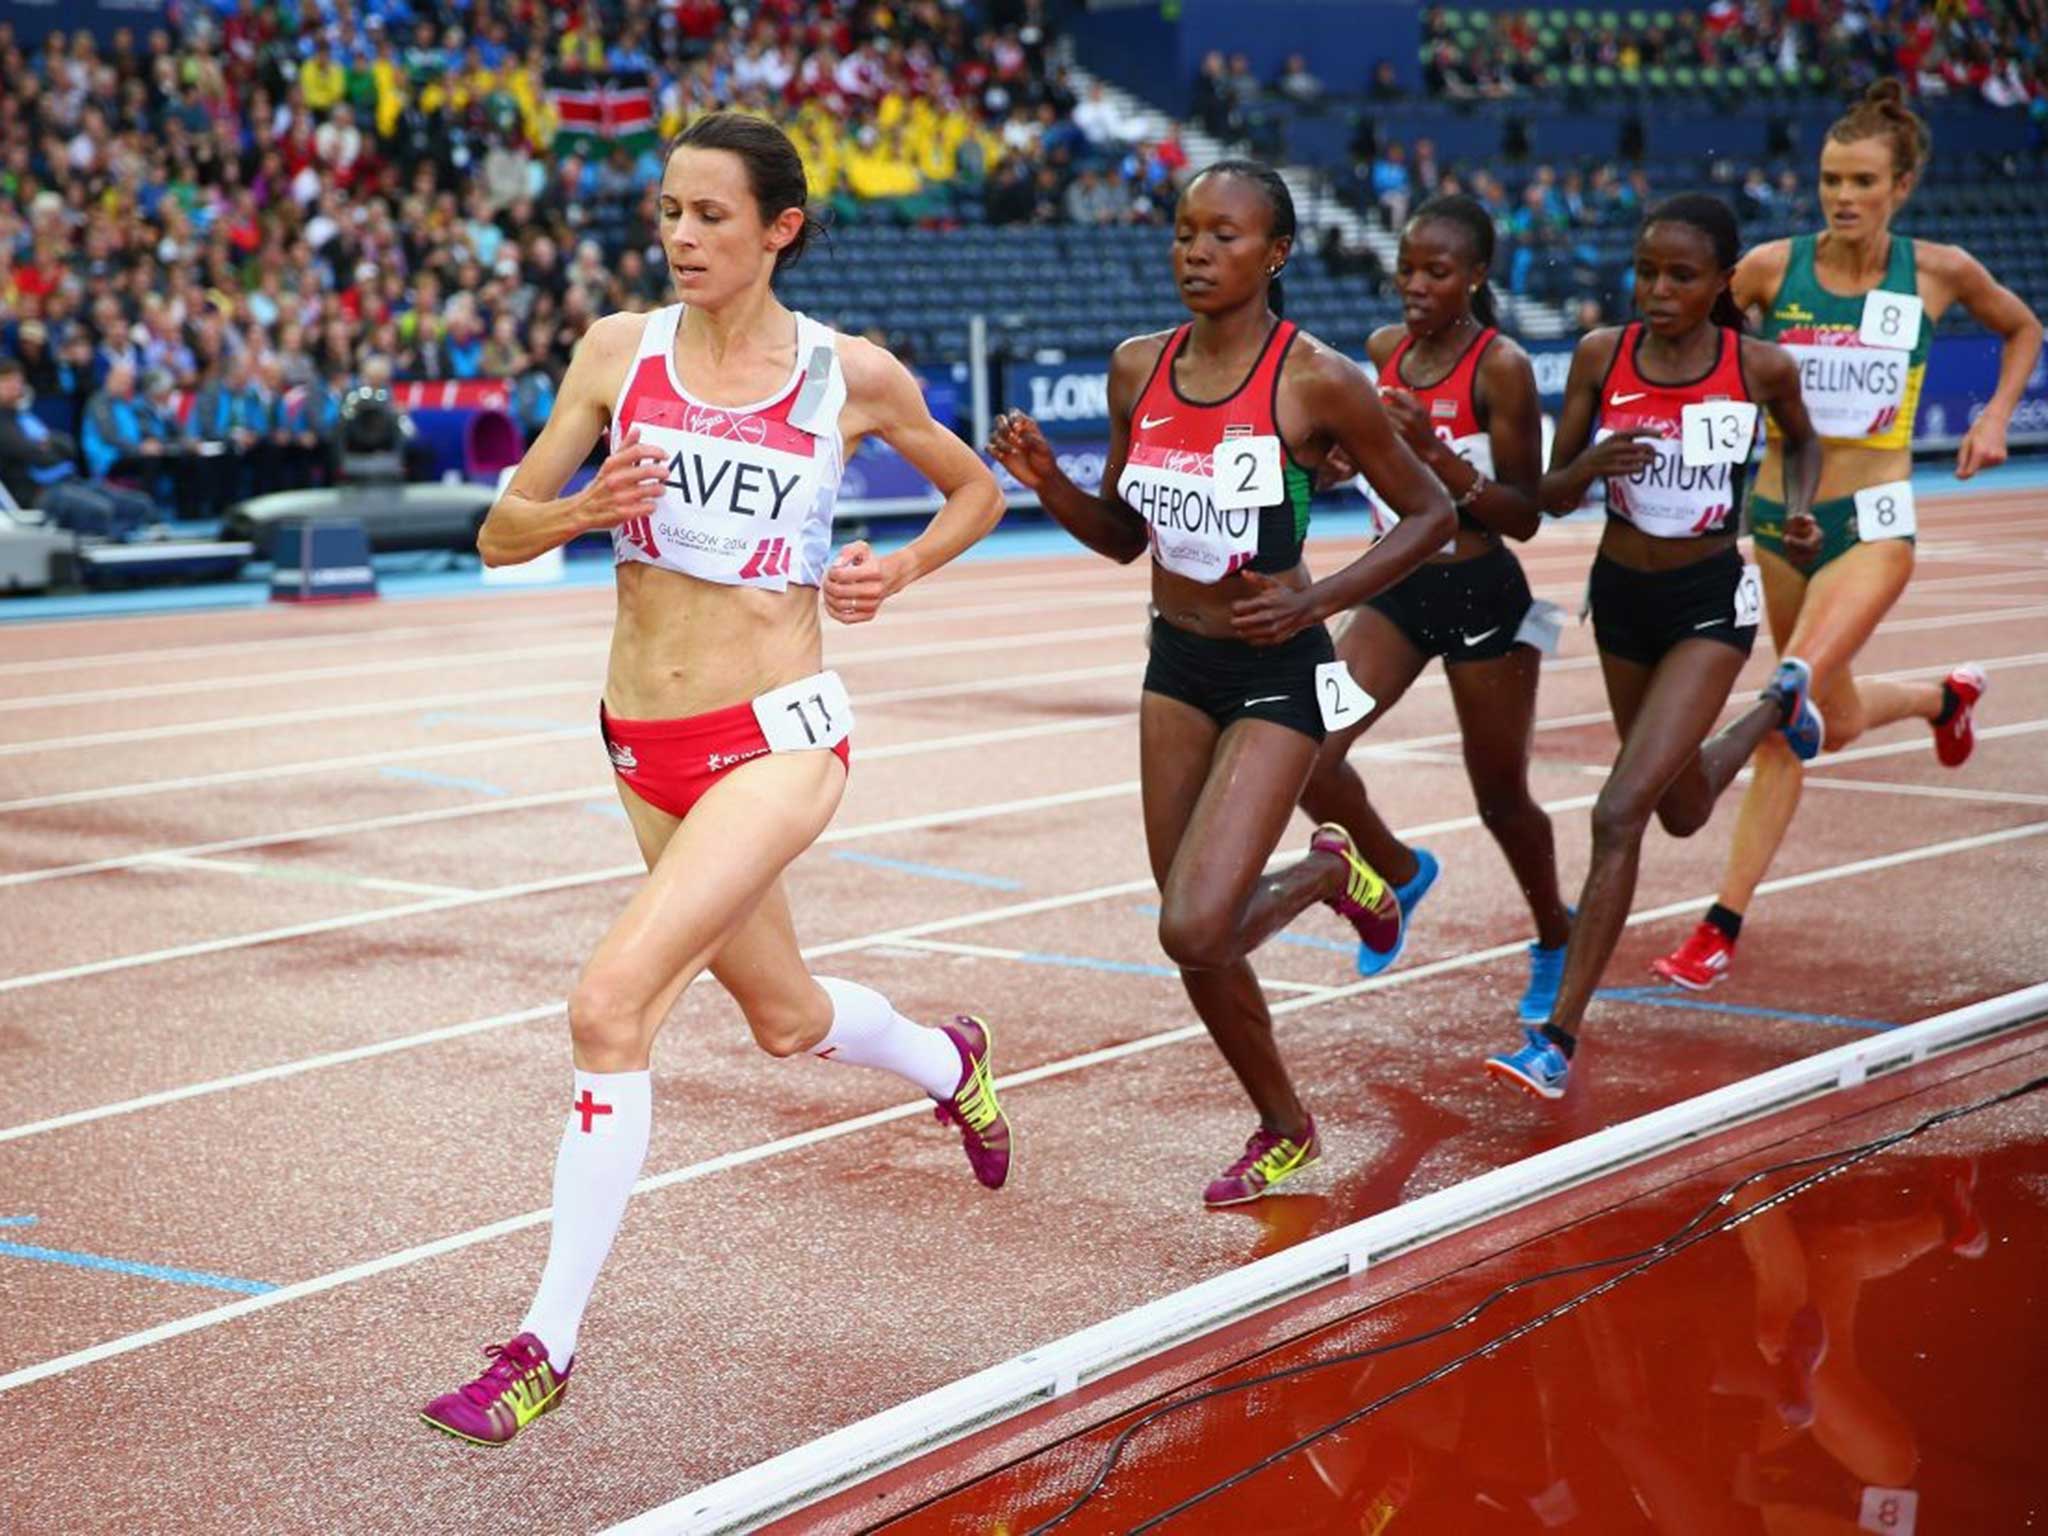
(1169, 476)
(1676, 496)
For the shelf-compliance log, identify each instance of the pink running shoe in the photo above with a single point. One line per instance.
(1956, 740)
(1367, 902)
(984, 1128)
(518, 1388)
(1269, 1160)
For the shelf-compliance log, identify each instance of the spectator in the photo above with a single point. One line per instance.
(1214, 105)
(39, 468)
(1105, 125)
(118, 427)
(1386, 85)
(1296, 83)
(1090, 200)
(1391, 188)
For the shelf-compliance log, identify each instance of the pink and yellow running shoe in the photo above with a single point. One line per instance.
(1269, 1159)
(1367, 902)
(519, 1386)
(984, 1128)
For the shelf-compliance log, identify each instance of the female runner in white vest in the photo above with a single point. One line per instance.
(729, 421)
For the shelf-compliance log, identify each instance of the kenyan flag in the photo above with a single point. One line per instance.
(594, 115)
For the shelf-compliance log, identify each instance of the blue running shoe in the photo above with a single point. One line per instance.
(1791, 689)
(1408, 897)
(1538, 1067)
(1546, 975)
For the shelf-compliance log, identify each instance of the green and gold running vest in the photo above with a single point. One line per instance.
(1855, 392)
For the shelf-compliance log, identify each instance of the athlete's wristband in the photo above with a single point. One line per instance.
(1472, 492)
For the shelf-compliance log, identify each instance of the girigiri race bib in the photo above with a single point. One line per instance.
(806, 715)
(1670, 498)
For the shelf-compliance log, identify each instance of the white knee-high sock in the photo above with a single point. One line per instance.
(604, 1145)
(867, 1032)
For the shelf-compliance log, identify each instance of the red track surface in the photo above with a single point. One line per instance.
(389, 950)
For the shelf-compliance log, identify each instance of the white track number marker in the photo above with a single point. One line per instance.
(805, 715)
(1718, 431)
(1247, 473)
(1342, 702)
(1885, 512)
(1749, 597)
(1890, 320)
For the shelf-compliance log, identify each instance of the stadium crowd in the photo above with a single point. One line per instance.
(209, 234)
(1939, 48)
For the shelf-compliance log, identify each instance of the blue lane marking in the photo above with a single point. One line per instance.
(1678, 997)
(17, 1221)
(129, 1267)
(441, 780)
(1084, 963)
(512, 722)
(931, 871)
(1300, 940)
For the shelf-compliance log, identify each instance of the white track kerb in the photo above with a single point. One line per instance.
(833, 1462)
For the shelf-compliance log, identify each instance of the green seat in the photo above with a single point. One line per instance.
(1657, 78)
(1686, 78)
(1605, 78)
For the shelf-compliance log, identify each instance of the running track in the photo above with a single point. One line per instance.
(291, 897)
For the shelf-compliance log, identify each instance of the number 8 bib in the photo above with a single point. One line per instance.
(1885, 512)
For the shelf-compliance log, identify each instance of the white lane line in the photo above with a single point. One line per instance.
(593, 648)
(578, 733)
(587, 687)
(319, 1284)
(280, 1069)
(548, 886)
(1931, 791)
(245, 682)
(299, 876)
(309, 834)
(598, 619)
(434, 750)
(1111, 967)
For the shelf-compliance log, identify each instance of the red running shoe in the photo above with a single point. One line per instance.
(1700, 961)
(1954, 741)
(518, 1388)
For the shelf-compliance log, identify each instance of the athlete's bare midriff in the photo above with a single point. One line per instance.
(1845, 469)
(681, 646)
(1203, 607)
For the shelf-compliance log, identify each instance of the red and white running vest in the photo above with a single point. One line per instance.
(1177, 447)
(748, 490)
(1694, 486)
